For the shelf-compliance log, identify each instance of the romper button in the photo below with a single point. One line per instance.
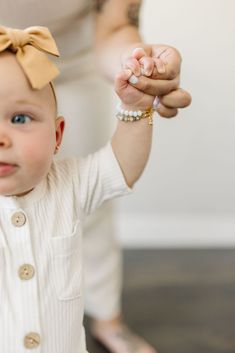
(18, 219)
(26, 272)
(32, 340)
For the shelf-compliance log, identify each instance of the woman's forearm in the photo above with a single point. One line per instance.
(112, 49)
(116, 32)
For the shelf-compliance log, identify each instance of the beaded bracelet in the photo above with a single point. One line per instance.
(134, 115)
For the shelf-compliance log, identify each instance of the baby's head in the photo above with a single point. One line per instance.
(29, 129)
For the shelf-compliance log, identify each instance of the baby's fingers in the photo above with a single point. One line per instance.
(147, 65)
(138, 53)
(121, 81)
(149, 62)
(139, 63)
(132, 64)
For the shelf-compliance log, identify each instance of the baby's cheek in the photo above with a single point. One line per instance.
(39, 157)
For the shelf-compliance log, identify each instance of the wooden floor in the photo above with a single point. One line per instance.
(182, 301)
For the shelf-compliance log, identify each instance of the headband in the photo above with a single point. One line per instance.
(31, 46)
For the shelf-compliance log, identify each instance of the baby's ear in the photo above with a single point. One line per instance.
(60, 125)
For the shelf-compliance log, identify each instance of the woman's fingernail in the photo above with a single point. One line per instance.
(128, 72)
(148, 73)
(156, 103)
(161, 69)
(133, 79)
(137, 49)
(142, 71)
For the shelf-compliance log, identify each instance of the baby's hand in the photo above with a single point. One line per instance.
(131, 97)
(157, 74)
(127, 83)
(142, 64)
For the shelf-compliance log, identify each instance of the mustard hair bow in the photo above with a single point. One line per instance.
(31, 46)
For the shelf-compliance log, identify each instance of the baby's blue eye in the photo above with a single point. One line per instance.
(21, 119)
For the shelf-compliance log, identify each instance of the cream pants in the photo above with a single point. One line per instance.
(84, 99)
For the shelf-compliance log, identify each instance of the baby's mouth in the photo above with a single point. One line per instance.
(7, 168)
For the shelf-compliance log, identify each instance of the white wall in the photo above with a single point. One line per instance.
(187, 195)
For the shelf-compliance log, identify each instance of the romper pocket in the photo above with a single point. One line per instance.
(67, 264)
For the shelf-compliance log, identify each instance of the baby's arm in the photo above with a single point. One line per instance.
(131, 141)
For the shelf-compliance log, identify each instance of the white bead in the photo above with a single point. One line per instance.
(130, 113)
(139, 113)
(135, 114)
(126, 112)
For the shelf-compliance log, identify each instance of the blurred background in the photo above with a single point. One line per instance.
(178, 228)
(186, 196)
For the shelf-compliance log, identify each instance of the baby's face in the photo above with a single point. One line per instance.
(29, 130)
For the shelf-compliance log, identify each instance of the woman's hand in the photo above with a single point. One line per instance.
(156, 70)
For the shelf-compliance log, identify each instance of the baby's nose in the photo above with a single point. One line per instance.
(5, 141)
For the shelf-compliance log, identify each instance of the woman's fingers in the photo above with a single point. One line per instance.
(161, 68)
(147, 66)
(166, 112)
(158, 75)
(171, 59)
(178, 98)
(154, 87)
(169, 104)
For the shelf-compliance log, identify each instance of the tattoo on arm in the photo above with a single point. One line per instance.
(99, 4)
(133, 14)
(133, 10)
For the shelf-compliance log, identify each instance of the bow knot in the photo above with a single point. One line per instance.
(31, 46)
(18, 38)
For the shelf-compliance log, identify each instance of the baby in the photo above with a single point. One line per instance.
(43, 202)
